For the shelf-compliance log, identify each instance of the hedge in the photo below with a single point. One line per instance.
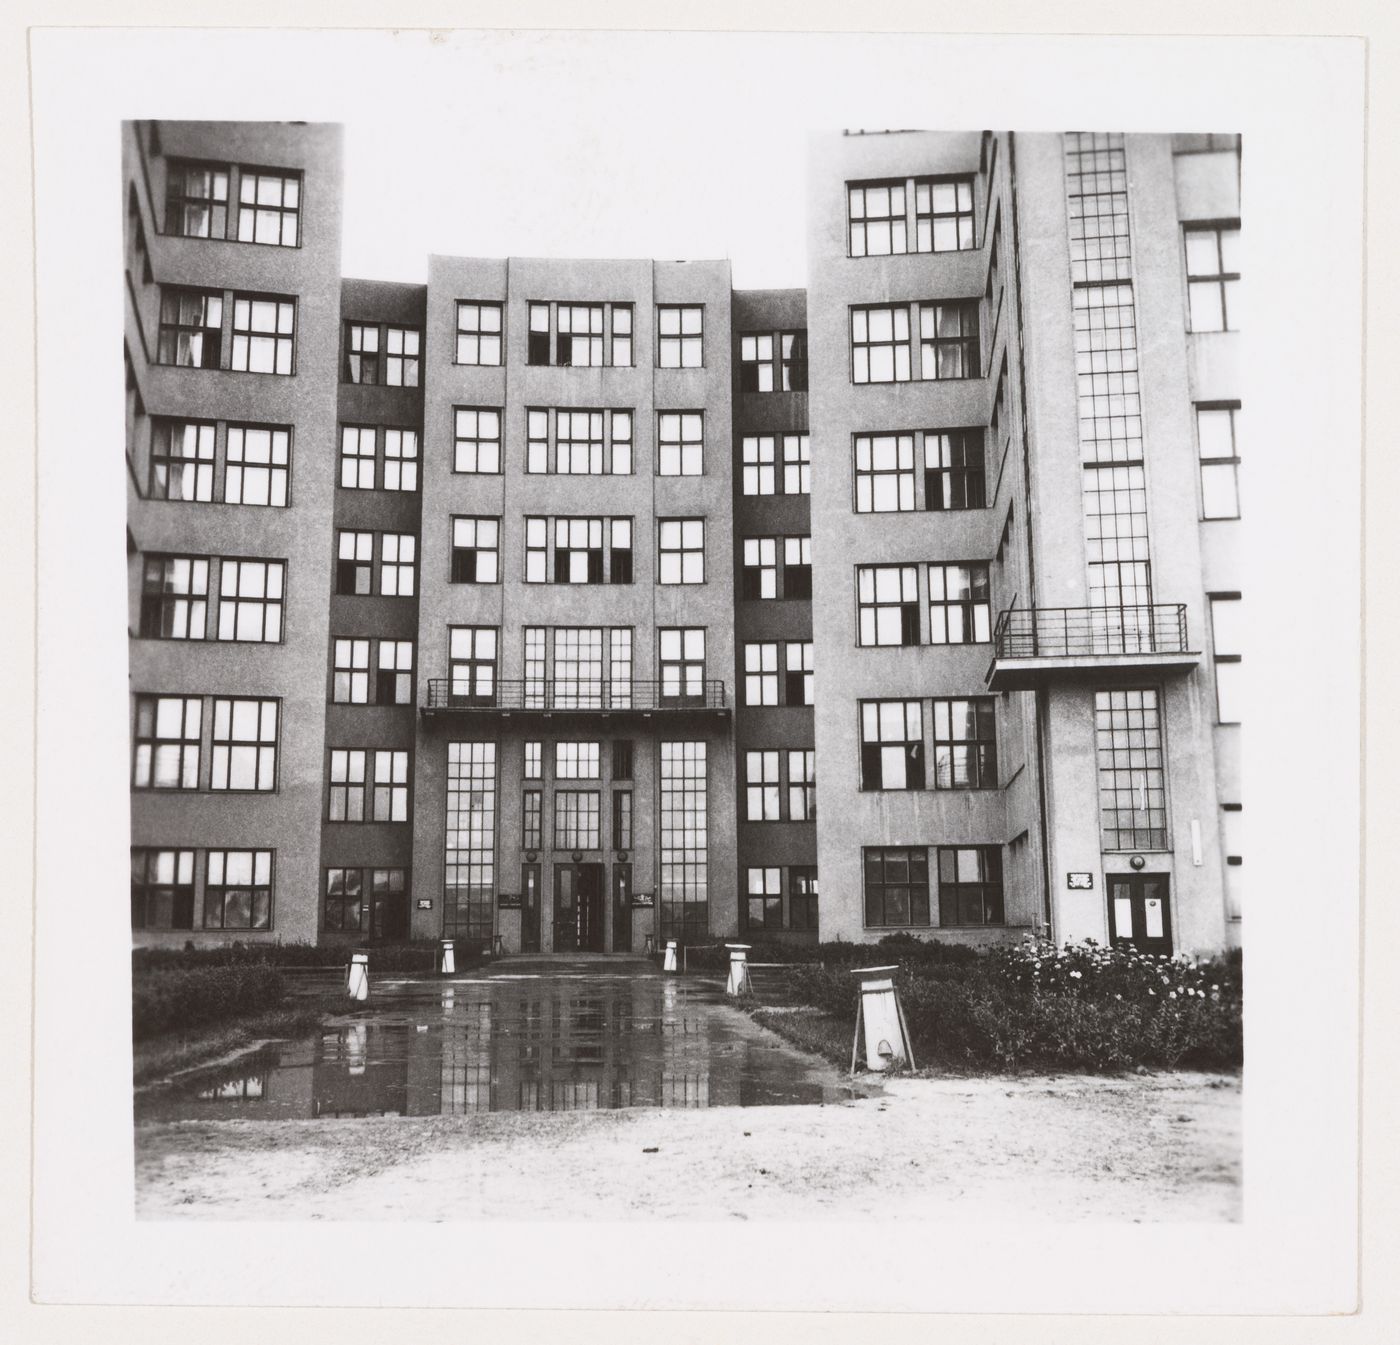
(184, 997)
(420, 956)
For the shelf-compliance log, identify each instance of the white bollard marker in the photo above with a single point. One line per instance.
(886, 1040)
(739, 982)
(670, 963)
(449, 957)
(357, 985)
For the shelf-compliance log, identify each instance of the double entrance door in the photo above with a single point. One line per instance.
(1139, 911)
(578, 908)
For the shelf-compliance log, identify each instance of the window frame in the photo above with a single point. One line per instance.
(480, 333)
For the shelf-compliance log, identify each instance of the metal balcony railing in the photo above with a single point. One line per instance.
(581, 696)
(1069, 632)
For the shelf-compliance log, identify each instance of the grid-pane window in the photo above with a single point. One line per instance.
(1097, 190)
(471, 654)
(196, 201)
(799, 679)
(682, 659)
(1115, 522)
(396, 564)
(896, 886)
(891, 745)
(162, 889)
(477, 443)
(802, 785)
(578, 550)
(878, 219)
(578, 443)
(681, 552)
(250, 600)
(759, 467)
(762, 787)
(620, 443)
(394, 685)
(401, 350)
(400, 459)
(887, 599)
(943, 219)
(167, 742)
(350, 672)
(760, 573)
(536, 550)
(797, 464)
(354, 567)
(258, 459)
(1106, 358)
(269, 207)
(264, 334)
(794, 361)
(621, 335)
(620, 551)
(756, 363)
(238, 890)
(761, 673)
(577, 761)
(536, 440)
(580, 335)
(532, 820)
(244, 755)
(764, 899)
(345, 899)
(884, 473)
(182, 460)
(684, 896)
(357, 457)
(680, 337)
(969, 886)
(391, 786)
(965, 743)
(955, 472)
(345, 796)
(191, 326)
(797, 567)
(680, 443)
(948, 340)
(959, 604)
(174, 597)
(476, 550)
(1217, 430)
(578, 668)
(802, 897)
(534, 760)
(1132, 772)
(577, 814)
(622, 754)
(1226, 649)
(1213, 277)
(469, 873)
(478, 333)
(880, 344)
(361, 353)
(622, 819)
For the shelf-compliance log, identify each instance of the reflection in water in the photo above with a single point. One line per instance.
(525, 1044)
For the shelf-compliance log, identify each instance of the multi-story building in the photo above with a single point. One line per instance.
(522, 606)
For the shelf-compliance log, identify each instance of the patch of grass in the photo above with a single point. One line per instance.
(807, 1029)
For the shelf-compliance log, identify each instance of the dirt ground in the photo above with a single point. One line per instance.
(1146, 1148)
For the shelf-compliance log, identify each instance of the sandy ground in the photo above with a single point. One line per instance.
(1145, 1148)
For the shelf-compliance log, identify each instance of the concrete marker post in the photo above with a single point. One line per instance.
(739, 983)
(449, 957)
(879, 1013)
(357, 983)
(670, 963)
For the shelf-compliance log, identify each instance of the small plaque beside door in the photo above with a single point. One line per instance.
(508, 901)
(425, 903)
(1080, 882)
(642, 899)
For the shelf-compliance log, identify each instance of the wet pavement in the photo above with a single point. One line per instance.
(524, 1036)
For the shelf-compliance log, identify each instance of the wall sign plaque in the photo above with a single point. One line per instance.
(1081, 882)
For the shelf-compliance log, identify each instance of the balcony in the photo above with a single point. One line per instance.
(1044, 646)
(588, 698)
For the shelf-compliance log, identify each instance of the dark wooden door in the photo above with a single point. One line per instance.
(565, 909)
(1139, 912)
(590, 908)
(529, 908)
(622, 908)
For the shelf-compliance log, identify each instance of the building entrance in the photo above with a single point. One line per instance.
(578, 908)
(1139, 912)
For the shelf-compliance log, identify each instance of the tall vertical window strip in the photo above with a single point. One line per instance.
(684, 842)
(470, 861)
(1217, 438)
(1115, 523)
(1132, 772)
(1225, 640)
(1213, 277)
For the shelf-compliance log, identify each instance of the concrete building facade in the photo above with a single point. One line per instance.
(521, 607)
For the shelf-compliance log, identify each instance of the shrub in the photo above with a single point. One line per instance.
(420, 956)
(166, 998)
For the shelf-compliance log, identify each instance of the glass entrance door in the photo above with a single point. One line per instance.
(529, 908)
(1139, 912)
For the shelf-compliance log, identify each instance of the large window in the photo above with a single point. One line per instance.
(948, 342)
(258, 461)
(680, 336)
(356, 899)
(269, 206)
(763, 788)
(532, 820)
(1132, 771)
(682, 659)
(244, 752)
(1226, 650)
(969, 886)
(681, 551)
(1213, 277)
(802, 897)
(887, 598)
(684, 895)
(884, 473)
(965, 743)
(586, 442)
(584, 335)
(238, 890)
(191, 327)
(469, 875)
(959, 603)
(382, 355)
(1217, 430)
(476, 550)
(578, 668)
(162, 889)
(764, 899)
(761, 673)
(472, 653)
(351, 664)
(955, 471)
(182, 459)
(478, 333)
(264, 334)
(350, 672)
(250, 600)
(680, 446)
(577, 814)
(759, 464)
(196, 200)
(1115, 524)
(578, 550)
(880, 344)
(167, 742)
(577, 761)
(879, 216)
(174, 597)
(477, 445)
(891, 745)
(896, 886)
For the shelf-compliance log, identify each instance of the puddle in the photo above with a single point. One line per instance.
(512, 1044)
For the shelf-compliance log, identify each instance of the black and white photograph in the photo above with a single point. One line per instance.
(697, 668)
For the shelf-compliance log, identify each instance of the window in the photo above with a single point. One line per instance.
(350, 672)
(250, 600)
(1115, 523)
(799, 680)
(622, 819)
(476, 553)
(621, 336)
(756, 363)
(264, 334)
(395, 683)
(537, 440)
(354, 570)
(478, 333)
(396, 564)
(1216, 439)
(1109, 384)
(684, 887)
(578, 443)
(471, 654)
(345, 801)
(400, 459)
(167, 742)
(876, 212)
(391, 786)
(401, 345)
(680, 443)
(802, 898)
(477, 446)
(965, 744)
(880, 344)
(532, 820)
(534, 761)
(238, 890)
(959, 604)
(681, 551)
(174, 597)
(949, 345)
(576, 819)
(579, 335)
(620, 668)
(896, 886)
(682, 663)
(891, 745)
(620, 554)
(580, 340)
(797, 464)
(763, 793)
(1213, 277)
(345, 903)
(357, 457)
(764, 899)
(955, 475)
(191, 327)
(761, 673)
(620, 443)
(622, 759)
(269, 205)
(245, 745)
(182, 459)
(948, 340)
(196, 205)
(578, 668)
(760, 574)
(878, 216)
(794, 361)
(586, 442)
(162, 889)
(887, 599)
(469, 871)
(1225, 639)
(884, 473)
(797, 567)
(578, 550)
(759, 469)
(943, 215)
(361, 353)
(576, 761)
(802, 785)
(969, 886)
(680, 337)
(1132, 775)
(258, 458)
